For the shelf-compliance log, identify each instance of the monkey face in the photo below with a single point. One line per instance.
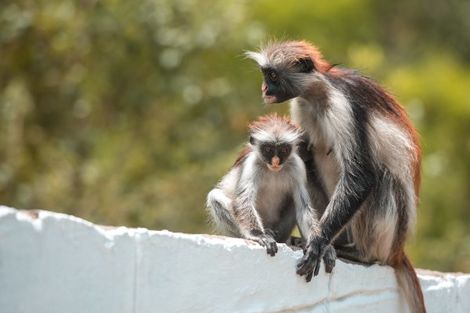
(280, 83)
(275, 154)
(273, 87)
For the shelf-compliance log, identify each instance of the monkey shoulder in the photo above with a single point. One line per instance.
(243, 155)
(229, 182)
(299, 172)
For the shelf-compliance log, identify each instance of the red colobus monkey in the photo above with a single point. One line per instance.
(364, 162)
(264, 194)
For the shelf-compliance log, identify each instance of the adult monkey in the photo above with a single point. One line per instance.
(365, 159)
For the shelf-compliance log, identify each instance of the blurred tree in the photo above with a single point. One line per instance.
(129, 112)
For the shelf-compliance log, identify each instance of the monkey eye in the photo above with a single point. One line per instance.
(273, 76)
(267, 149)
(285, 149)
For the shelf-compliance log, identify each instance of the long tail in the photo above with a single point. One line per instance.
(408, 284)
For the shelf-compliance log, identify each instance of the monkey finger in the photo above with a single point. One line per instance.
(260, 241)
(270, 244)
(307, 263)
(329, 258)
(317, 268)
(329, 267)
(274, 247)
(300, 264)
(263, 242)
(304, 260)
(270, 250)
(305, 266)
(329, 264)
(313, 272)
(308, 278)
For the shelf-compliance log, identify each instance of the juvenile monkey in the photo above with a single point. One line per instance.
(364, 165)
(264, 194)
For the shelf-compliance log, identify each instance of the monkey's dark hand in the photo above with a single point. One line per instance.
(305, 149)
(309, 264)
(267, 240)
(329, 258)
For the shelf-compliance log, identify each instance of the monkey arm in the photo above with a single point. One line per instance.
(307, 219)
(352, 189)
(317, 195)
(354, 186)
(307, 222)
(248, 220)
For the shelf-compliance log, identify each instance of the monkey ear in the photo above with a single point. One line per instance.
(252, 140)
(306, 65)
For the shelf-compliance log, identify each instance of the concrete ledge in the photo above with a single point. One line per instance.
(52, 262)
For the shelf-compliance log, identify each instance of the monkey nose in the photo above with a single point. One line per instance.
(275, 161)
(264, 87)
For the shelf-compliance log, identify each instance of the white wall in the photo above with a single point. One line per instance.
(52, 262)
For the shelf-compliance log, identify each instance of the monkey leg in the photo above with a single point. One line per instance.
(283, 226)
(220, 208)
(295, 243)
(367, 240)
(379, 230)
(352, 255)
(346, 249)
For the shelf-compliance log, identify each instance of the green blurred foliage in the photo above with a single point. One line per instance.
(128, 112)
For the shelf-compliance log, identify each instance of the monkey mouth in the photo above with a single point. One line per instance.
(269, 99)
(274, 168)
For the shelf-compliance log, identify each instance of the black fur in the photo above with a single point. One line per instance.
(283, 230)
(280, 87)
(359, 173)
(269, 150)
(305, 65)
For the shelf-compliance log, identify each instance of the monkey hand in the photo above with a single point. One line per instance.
(309, 264)
(329, 258)
(304, 149)
(268, 241)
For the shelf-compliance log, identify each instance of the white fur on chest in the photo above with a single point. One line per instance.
(329, 131)
(271, 194)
